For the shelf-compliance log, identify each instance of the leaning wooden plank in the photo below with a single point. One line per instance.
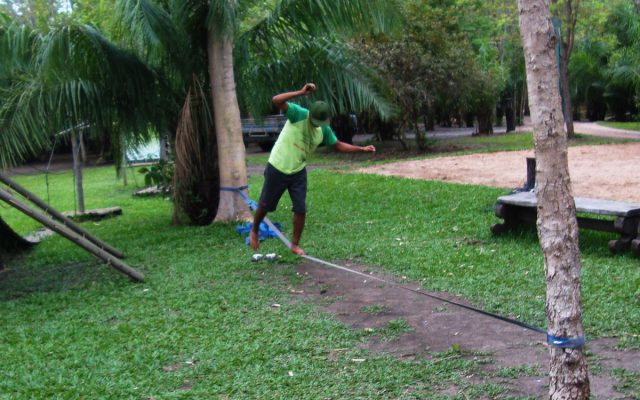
(74, 237)
(583, 204)
(59, 217)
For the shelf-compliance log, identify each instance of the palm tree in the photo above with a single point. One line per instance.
(68, 77)
(295, 41)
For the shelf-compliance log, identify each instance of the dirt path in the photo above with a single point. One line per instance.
(607, 172)
(436, 326)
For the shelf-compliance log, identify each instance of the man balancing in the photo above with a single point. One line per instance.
(303, 132)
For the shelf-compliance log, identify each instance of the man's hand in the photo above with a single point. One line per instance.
(308, 88)
(368, 149)
(281, 99)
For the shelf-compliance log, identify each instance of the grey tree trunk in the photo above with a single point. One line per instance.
(557, 224)
(566, 91)
(569, 17)
(77, 170)
(164, 147)
(231, 150)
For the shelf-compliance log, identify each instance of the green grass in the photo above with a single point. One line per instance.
(632, 126)
(204, 324)
(390, 151)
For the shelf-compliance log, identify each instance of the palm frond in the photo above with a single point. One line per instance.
(21, 132)
(222, 18)
(149, 29)
(343, 80)
(291, 19)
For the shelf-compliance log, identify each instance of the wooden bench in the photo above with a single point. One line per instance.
(520, 208)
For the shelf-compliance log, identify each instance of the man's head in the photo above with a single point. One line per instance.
(319, 113)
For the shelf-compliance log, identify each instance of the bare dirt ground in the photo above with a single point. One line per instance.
(437, 327)
(607, 172)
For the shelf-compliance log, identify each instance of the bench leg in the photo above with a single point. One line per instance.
(620, 245)
(635, 247)
(508, 215)
(513, 216)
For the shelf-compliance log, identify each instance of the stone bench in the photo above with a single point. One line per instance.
(520, 208)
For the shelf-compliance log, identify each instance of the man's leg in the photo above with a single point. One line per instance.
(298, 194)
(254, 237)
(274, 186)
(298, 226)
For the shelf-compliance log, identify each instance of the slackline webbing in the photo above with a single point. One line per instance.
(553, 341)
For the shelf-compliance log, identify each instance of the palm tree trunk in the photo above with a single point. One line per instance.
(557, 224)
(231, 150)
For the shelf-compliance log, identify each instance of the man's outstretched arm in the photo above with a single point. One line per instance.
(280, 100)
(343, 147)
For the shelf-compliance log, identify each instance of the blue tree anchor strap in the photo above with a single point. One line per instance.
(566, 343)
(252, 204)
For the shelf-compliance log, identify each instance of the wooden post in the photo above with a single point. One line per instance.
(531, 173)
(77, 170)
(73, 237)
(59, 216)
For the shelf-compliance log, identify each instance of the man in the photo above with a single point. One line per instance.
(303, 132)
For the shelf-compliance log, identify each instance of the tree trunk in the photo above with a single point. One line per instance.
(566, 90)
(123, 158)
(77, 171)
(231, 150)
(557, 225)
(485, 123)
(10, 241)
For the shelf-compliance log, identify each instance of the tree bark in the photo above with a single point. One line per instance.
(557, 224)
(566, 90)
(231, 150)
(77, 171)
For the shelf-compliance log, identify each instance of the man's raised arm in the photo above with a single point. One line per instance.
(280, 100)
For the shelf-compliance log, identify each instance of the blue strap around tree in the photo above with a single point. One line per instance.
(566, 343)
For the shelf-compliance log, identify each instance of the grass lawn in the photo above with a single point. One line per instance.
(204, 324)
(391, 150)
(632, 126)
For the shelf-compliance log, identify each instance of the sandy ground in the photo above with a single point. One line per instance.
(607, 172)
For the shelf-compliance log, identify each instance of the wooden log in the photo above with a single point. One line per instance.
(96, 214)
(74, 237)
(59, 217)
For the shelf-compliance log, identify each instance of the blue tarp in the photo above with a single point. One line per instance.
(264, 233)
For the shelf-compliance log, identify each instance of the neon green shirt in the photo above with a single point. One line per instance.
(298, 140)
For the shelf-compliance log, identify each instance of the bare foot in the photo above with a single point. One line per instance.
(297, 250)
(254, 240)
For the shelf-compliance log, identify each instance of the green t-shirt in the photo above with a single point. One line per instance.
(297, 140)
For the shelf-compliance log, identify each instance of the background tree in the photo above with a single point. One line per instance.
(566, 11)
(624, 63)
(557, 224)
(294, 36)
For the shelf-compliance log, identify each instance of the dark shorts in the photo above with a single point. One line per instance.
(275, 183)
